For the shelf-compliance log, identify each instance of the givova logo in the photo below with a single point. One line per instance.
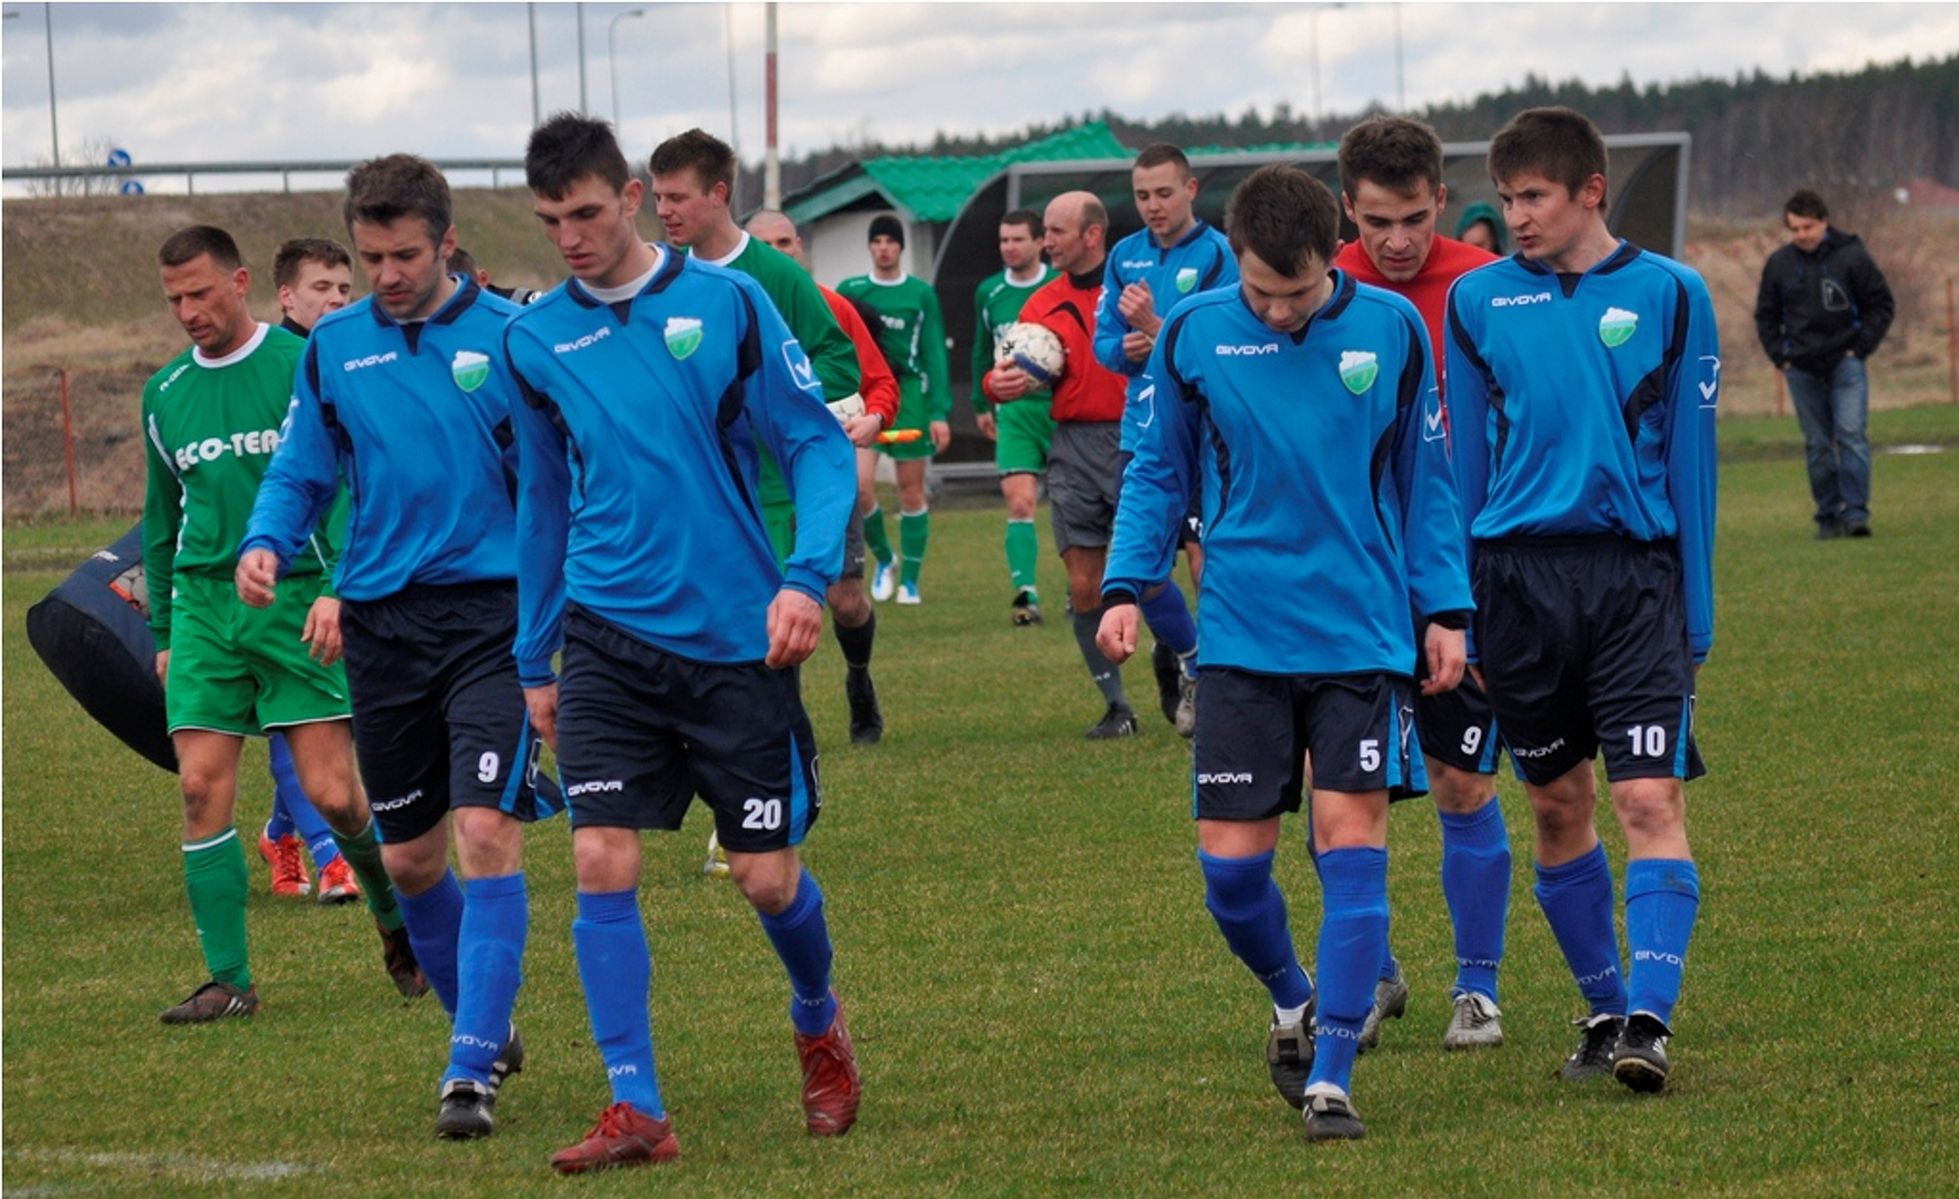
(1270, 347)
(582, 343)
(594, 787)
(1359, 369)
(800, 370)
(1224, 778)
(1617, 326)
(1534, 297)
(469, 369)
(683, 335)
(354, 364)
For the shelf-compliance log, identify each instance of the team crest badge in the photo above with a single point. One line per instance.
(683, 336)
(1358, 370)
(1616, 327)
(469, 369)
(1186, 279)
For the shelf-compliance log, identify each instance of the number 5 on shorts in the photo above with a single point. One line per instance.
(1370, 755)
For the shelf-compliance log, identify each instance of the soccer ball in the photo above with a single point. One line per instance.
(1034, 349)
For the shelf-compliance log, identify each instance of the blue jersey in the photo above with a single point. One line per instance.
(637, 469)
(416, 419)
(1584, 405)
(1201, 260)
(1329, 508)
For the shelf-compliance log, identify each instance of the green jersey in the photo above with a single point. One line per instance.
(996, 304)
(911, 330)
(825, 343)
(211, 426)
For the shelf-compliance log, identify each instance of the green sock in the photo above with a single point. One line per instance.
(914, 530)
(216, 879)
(1023, 548)
(363, 853)
(874, 538)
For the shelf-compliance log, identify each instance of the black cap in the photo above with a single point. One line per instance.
(886, 225)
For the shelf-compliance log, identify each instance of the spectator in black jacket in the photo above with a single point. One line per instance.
(1822, 310)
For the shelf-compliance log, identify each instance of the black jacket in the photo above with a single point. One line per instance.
(1814, 308)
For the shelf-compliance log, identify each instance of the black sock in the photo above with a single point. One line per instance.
(1108, 679)
(856, 643)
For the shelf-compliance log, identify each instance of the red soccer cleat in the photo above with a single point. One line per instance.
(289, 879)
(337, 883)
(624, 1136)
(831, 1087)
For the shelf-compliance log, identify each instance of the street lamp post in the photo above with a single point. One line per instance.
(537, 113)
(1313, 18)
(612, 56)
(583, 107)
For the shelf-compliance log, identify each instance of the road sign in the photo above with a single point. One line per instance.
(119, 157)
(131, 187)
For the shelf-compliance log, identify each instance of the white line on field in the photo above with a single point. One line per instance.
(207, 1169)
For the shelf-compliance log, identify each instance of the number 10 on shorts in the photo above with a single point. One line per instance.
(1648, 740)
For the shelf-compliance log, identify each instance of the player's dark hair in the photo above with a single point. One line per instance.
(1392, 152)
(462, 262)
(570, 146)
(381, 191)
(296, 252)
(1158, 153)
(699, 151)
(1027, 217)
(1558, 143)
(1285, 216)
(1806, 203)
(187, 243)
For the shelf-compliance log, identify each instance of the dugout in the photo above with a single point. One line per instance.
(1647, 205)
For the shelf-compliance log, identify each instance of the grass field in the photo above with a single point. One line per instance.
(1040, 1002)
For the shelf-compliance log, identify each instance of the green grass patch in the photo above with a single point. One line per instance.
(1041, 1004)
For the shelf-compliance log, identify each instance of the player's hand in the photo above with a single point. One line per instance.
(163, 667)
(1137, 346)
(941, 435)
(1444, 649)
(322, 630)
(257, 577)
(1117, 636)
(1138, 307)
(1009, 383)
(542, 704)
(795, 620)
(863, 430)
(988, 425)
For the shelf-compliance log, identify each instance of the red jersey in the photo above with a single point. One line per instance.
(876, 383)
(1086, 390)
(1428, 291)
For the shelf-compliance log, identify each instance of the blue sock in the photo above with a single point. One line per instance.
(490, 954)
(1476, 886)
(1169, 618)
(1577, 900)
(285, 782)
(1390, 964)
(802, 940)
(1662, 897)
(1353, 935)
(434, 920)
(1251, 913)
(616, 970)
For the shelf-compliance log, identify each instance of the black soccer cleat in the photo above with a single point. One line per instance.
(1639, 1059)
(1169, 679)
(1593, 1057)
(1118, 721)
(213, 1001)
(1026, 612)
(510, 1061)
(467, 1111)
(1330, 1116)
(1289, 1057)
(866, 718)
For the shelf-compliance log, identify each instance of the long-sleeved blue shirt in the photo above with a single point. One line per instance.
(1584, 404)
(1330, 511)
(416, 418)
(1201, 260)
(637, 468)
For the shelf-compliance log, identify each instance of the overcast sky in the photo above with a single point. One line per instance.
(181, 82)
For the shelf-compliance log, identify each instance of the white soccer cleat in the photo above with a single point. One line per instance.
(908, 593)
(884, 581)
(716, 865)
(1476, 1023)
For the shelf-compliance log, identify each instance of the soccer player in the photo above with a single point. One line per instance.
(693, 176)
(1391, 185)
(1084, 467)
(1174, 255)
(314, 276)
(1316, 420)
(912, 331)
(212, 421)
(402, 398)
(648, 379)
(1582, 382)
(1022, 431)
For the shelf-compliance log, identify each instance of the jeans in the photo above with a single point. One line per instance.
(1833, 410)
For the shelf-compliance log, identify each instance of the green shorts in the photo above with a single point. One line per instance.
(912, 414)
(242, 670)
(1026, 429)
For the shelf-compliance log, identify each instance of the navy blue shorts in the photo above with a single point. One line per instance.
(1583, 643)
(1254, 731)
(1458, 728)
(439, 719)
(642, 731)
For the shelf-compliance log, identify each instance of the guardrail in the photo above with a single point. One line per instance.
(285, 170)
